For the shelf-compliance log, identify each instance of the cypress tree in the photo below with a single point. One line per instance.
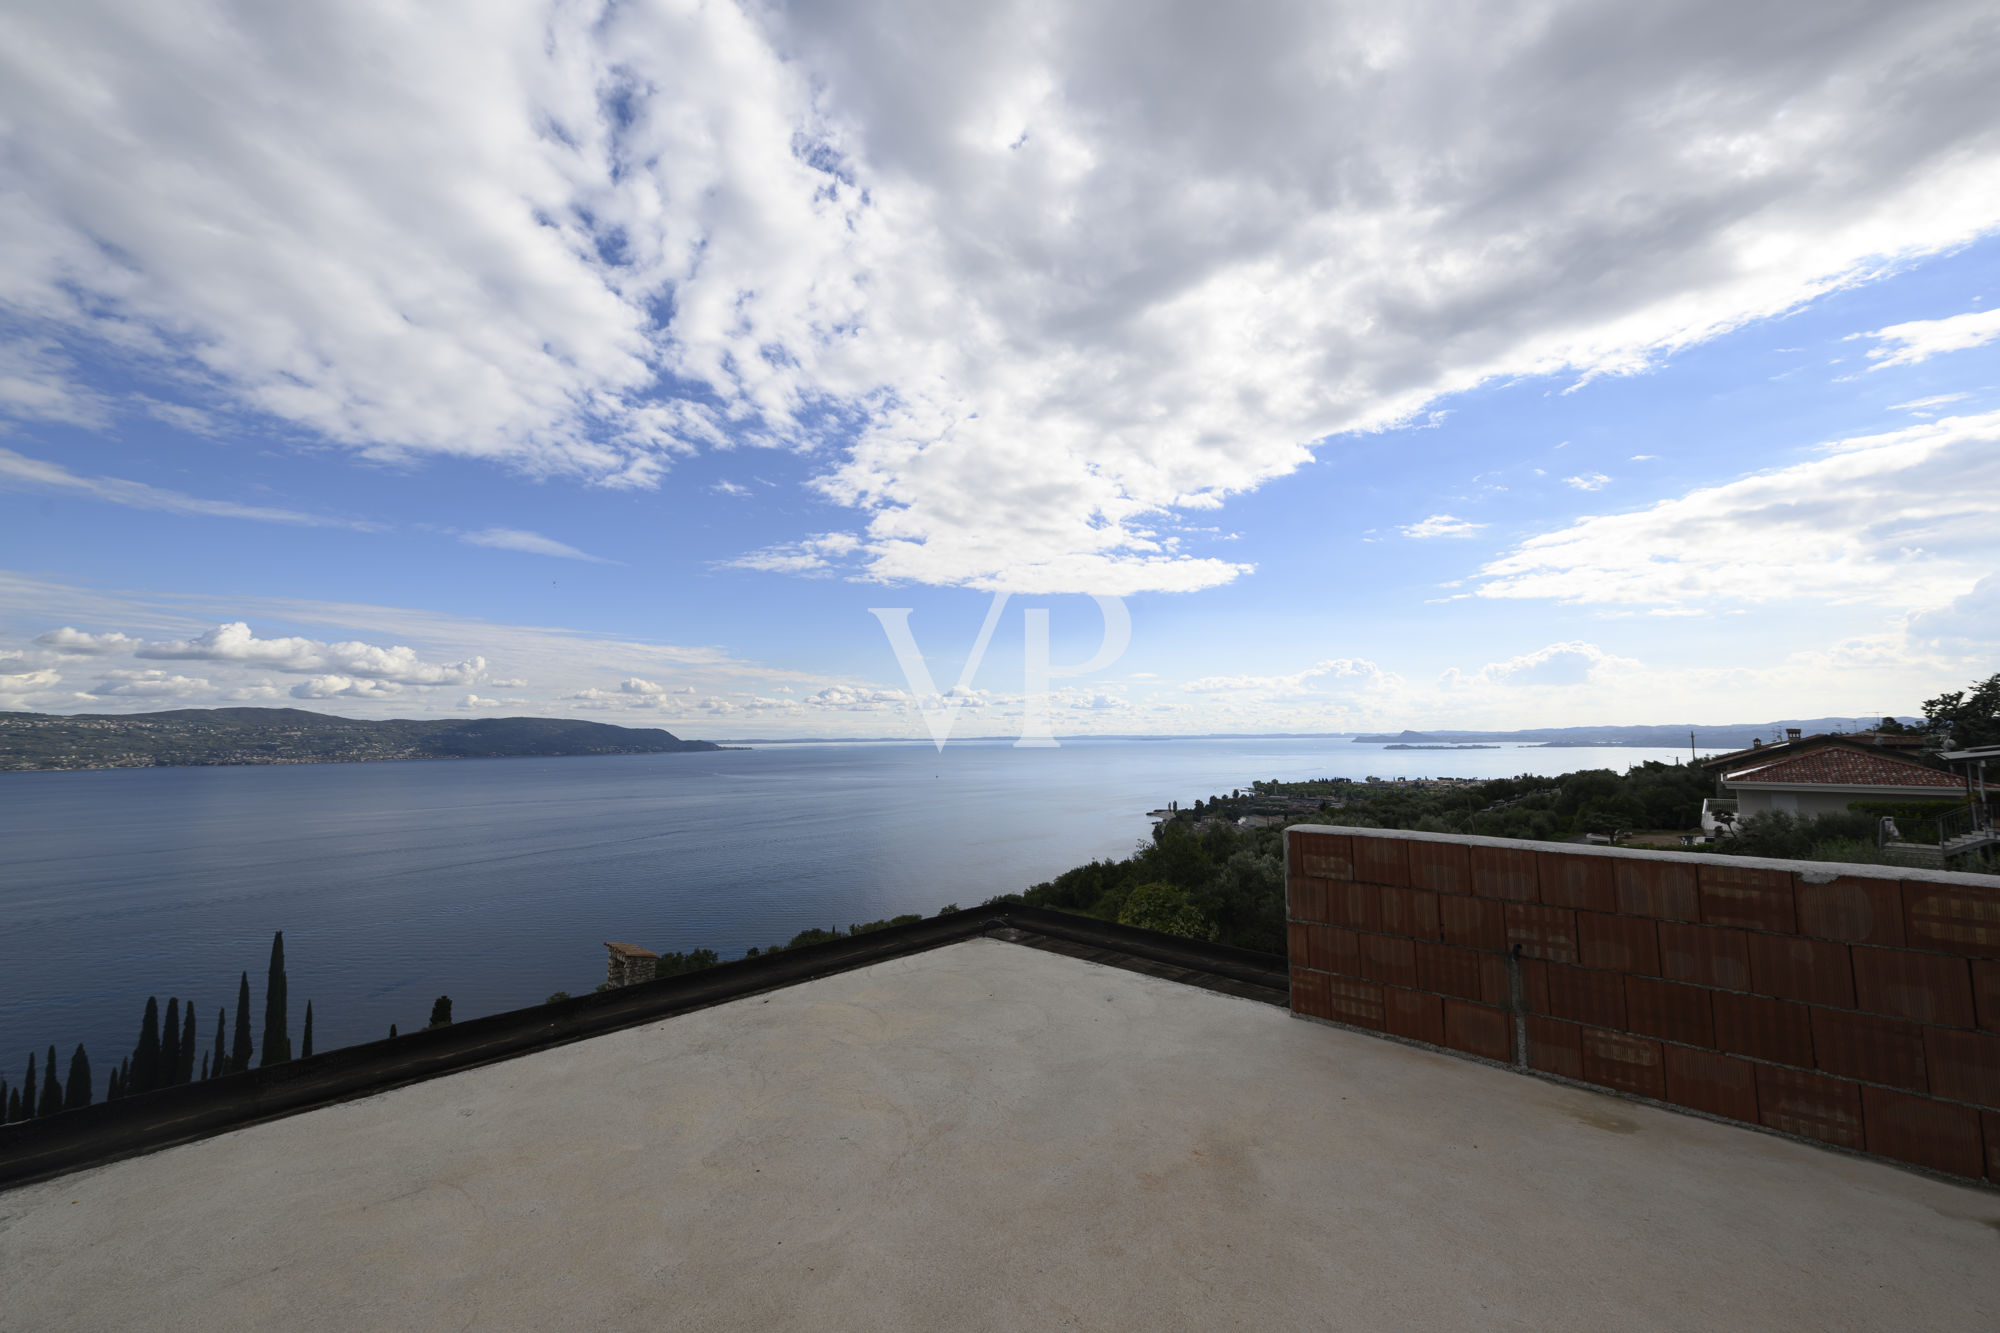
(441, 1012)
(392, 1029)
(189, 1040)
(28, 1091)
(239, 1050)
(51, 1099)
(277, 1045)
(14, 1106)
(216, 1067)
(306, 1042)
(146, 1059)
(3, 1101)
(112, 1092)
(170, 1044)
(78, 1093)
(204, 1066)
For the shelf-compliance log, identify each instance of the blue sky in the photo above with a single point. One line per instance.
(615, 361)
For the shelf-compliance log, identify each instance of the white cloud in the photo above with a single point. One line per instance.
(1643, 458)
(1910, 518)
(39, 382)
(1921, 339)
(1068, 273)
(80, 643)
(1927, 407)
(235, 642)
(1588, 481)
(533, 543)
(478, 701)
(636, 685)
(1968, 624)
(345, 687)
(1558, 664)
(1442, 525)
(729, 488)
(148, 685)
(1341, 669)
(19, 472)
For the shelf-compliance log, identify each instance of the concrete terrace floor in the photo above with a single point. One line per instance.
(988, 1136)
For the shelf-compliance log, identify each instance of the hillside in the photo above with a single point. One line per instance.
(1728, 736)
(203, 736)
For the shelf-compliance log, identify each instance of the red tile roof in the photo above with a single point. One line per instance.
(1845, 766)
(629, 950)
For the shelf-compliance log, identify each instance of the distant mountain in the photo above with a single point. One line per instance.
(204, 736)
(1734, 736)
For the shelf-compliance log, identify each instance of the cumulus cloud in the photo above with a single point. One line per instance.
(1559, 664)
(637, 685)
(533, 543)
(345, 687)
(80, 643)
(1588, 481)
(1908, 518)
(1442, 525)
(1968, 624)
(19, 472)
(1921, 339)
(1070, 273)
(234, 642)
(1343, 669)
(478, 701)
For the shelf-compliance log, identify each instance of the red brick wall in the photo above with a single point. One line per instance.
(1858, 1005)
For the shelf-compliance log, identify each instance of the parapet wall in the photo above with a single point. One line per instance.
(1857, 1005)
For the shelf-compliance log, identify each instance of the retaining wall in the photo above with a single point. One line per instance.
(1856, 1005)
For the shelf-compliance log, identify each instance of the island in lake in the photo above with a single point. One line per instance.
(204, 736)
(1440, 747)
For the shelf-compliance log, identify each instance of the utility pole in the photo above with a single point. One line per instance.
(1690, 747)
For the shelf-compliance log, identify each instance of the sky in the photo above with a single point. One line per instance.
(1379, 365)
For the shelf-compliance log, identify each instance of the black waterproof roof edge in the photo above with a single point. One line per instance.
(45, 1147)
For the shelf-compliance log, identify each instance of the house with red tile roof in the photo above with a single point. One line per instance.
(1822, 779)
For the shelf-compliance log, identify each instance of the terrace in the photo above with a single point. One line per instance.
(1042, 1122)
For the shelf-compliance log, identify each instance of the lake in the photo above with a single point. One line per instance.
(496, 881)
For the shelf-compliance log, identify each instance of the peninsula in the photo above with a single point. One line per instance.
(206, 736)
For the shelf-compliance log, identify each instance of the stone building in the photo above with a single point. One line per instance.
(628, 963)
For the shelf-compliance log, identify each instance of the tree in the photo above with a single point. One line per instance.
(216, 1067)
(441, 1012)
(189, 1040)
(277, 1043)
(112, 1092)
(14, 1111)
(170, 1044)
(51, 1099)
(204, 1066)
(78, 1093)
(1968, 717)
(27, 1092)
(146, 1057)
(306, 1042)
(1163, 907)
(239, 1050)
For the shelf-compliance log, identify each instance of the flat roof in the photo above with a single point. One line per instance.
(994, 1136)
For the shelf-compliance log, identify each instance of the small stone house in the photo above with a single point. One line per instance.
(628, 964)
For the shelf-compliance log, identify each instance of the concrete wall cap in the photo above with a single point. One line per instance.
(1833, 869)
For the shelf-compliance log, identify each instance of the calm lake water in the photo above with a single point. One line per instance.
(496, 881)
